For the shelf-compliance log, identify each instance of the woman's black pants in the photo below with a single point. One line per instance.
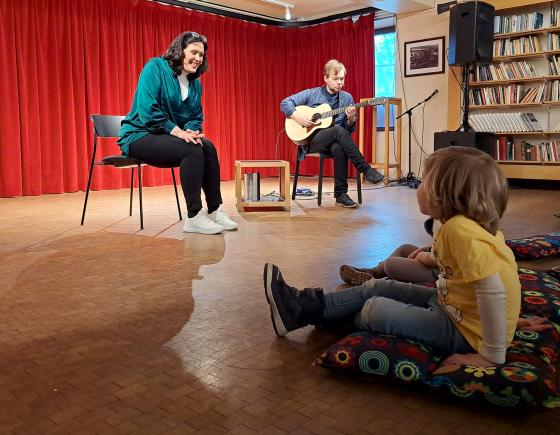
(199, 166)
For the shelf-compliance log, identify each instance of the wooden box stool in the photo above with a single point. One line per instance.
(284, 200)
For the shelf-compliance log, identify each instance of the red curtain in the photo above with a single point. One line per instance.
(63, 60)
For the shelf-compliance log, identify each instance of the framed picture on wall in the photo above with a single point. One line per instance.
(424, 57)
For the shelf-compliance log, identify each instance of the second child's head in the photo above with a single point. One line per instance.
(463, 181)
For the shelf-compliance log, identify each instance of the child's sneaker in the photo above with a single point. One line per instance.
(202, 224)
(354, 275)
(221, 218)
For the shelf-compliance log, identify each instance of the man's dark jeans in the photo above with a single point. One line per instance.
(338, 141)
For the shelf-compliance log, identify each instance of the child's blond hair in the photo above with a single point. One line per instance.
(334, 66)
(466, 181)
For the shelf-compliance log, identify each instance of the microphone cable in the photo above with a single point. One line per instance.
(276, 145)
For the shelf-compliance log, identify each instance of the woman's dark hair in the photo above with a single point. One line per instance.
(175, 55)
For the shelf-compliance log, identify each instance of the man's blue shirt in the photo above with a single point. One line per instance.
(316, 96)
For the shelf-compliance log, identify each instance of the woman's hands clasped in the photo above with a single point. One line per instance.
(193, 136)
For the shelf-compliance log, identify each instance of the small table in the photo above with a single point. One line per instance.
(283, 165)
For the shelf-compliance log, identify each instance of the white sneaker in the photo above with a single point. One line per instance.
(221, 218)
(201, 224)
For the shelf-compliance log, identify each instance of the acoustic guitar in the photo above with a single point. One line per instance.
(322, 116)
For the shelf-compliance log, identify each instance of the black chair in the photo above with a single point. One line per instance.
(302, 155)
(108, 126)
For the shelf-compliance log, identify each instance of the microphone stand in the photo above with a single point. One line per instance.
(465, 124)
(410, 179)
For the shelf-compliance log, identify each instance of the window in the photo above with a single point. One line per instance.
(384, 70)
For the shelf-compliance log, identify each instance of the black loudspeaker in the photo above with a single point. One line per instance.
(471, 33)
(483, 141)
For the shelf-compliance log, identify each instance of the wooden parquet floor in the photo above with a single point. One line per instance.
(107, 329)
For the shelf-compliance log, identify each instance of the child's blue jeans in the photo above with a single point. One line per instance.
(401, 309)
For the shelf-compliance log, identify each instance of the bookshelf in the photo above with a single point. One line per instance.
(522, 80)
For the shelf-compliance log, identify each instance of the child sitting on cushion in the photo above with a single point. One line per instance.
(472, 315)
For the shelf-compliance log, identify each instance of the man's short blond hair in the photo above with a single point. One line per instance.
(333, 66)
(466, 181)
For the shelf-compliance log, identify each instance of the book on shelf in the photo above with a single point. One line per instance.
(554, 65)
(518, 23)
(504, 71)
(531, 121)
(553, 41)
(515, 46)
(508, 149)
(512, 94)
(550, 151)
(513, 122)
(501, 146)
(529, 152)
(533, 94)
(554, 16)
(553, 91)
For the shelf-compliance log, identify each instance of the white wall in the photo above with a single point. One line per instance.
(412, 27)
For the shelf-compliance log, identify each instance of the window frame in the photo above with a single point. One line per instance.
(383, 31)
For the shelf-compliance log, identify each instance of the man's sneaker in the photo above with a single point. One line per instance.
(202, 224)
(290, 308)
(373, 176)
(221, 218)
(354, 275)
(343, 200)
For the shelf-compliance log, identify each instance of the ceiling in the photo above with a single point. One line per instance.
(305, 10)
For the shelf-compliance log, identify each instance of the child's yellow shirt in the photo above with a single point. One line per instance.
(465, 252)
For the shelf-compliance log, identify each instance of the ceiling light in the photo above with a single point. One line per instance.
(288, 6)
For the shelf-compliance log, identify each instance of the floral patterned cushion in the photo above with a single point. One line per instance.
(555, 272)
(554, 239)
(382, 355)
(540, 294)
(529, 376)
(536, 246)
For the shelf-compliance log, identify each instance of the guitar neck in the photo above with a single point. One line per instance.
(334, 112)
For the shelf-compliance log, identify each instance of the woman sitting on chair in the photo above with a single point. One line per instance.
(164, 129)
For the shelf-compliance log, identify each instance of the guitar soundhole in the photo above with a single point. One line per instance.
(316, 117)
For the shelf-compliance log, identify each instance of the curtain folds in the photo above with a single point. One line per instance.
(63, 60)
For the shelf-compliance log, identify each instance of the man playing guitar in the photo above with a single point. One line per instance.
(336, 138)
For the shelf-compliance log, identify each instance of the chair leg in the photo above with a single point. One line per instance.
(320, 188)
(140, 196)
(296, 175)
(131, 189)
(176, 195)
(89, 179)
(359, 185)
